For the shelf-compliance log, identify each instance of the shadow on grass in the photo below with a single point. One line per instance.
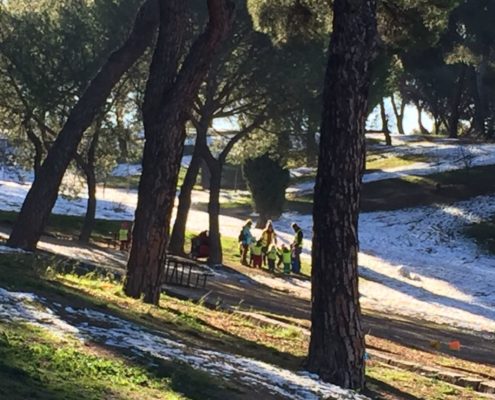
(24, 273)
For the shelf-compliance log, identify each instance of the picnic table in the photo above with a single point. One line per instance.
(185, 272)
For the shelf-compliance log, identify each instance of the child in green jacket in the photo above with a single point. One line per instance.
(286, 256)
(257, 254)
(271, 256)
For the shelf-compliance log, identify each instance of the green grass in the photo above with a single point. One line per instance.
(439, 188)
(415, 191)
(382, 161)
(132, 182)
(484, 234)
(37, 365)
(414, 385)
(68, 225)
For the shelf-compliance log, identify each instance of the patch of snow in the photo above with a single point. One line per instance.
(123, 170)
(6, 250)
(91, 325)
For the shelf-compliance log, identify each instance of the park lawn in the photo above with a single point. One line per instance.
(35, 364)
(69, 225)
(34, 356)
(381, 161)
(132, 182)
(415, 191)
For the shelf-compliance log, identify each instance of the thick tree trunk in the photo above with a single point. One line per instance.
(399, 115)
(216, 257)
(161, 163)
(385, 128)
(178, 236)
(336, 349)
(453, 120)
(43, 193)
(168, 100)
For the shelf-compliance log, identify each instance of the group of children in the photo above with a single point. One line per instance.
(283, 254)
(264, 251)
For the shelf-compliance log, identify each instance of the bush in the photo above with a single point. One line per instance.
(267, 180)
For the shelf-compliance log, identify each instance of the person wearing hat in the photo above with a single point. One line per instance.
(296, 248)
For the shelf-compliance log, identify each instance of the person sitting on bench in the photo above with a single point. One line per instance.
(200, 245)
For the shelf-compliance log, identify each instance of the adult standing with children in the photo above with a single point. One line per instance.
(296, 248)
(268, 237)
(245, 239)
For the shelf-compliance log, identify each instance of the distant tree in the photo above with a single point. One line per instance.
(267, 180)
(40, 94)
(237, 87)
(43, 193)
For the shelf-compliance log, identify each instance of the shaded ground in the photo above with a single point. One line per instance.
(232, 288)
(241, 292)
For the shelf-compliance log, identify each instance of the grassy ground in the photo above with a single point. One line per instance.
(415, 191)
(380, 161)
(32, 361)
(37, 365)
(484, 234)
(132, 182)
(68, 225)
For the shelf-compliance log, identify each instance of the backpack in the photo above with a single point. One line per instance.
(241, 235)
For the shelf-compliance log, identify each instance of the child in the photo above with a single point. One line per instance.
(271, 255)
(256, 254)
(286, 256)
(124, 236)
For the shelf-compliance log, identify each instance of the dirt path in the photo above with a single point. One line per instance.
(237, 290)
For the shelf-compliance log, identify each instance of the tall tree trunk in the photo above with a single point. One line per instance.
(422, 128)
(89, 219)
(399, 115)
(43, 193)
(177, 239)
(89, 171)
(38, 149)
(311, 145)
(480, 110)
(215, 257)
(453, 121)
(168, 100)
(336, 350)
(385, 128)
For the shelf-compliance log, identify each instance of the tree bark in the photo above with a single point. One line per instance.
(455, 114)
(422, 128)
(385, 128)
(89, 172)
(177, 239)
(89, 219)
(38, 149)
(168, 100)
(216, 255)
(43, 193)
(399, 115)
(480, 103)
(336, 349)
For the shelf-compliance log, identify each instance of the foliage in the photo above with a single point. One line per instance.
(267, 180)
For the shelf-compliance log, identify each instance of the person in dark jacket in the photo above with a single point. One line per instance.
(296, 248)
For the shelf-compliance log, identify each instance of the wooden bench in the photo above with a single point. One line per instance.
(185, 272)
